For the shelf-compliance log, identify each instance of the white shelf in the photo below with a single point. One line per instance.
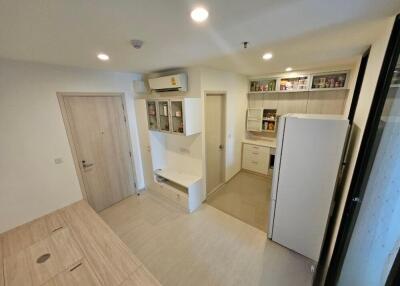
(328, 89)
(180, 178)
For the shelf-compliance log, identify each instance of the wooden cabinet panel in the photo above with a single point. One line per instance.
(80, 274)
(83, 250)
(295, 102)
(16, 270)
(25, 267)
(327, 102)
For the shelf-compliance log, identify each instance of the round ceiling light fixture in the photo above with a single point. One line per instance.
(199, 14)
(289, 69)
(267, 56)
(103, 57)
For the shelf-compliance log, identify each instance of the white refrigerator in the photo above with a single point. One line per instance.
(307, 161)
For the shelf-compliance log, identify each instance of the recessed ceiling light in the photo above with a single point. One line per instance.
(199, 14)
(289, 69)
(103, 57)
(267, 56)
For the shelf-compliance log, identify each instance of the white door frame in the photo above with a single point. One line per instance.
(61, 96)
(223, 94)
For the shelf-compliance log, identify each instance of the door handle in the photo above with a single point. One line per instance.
(86, 165)
(221, 146)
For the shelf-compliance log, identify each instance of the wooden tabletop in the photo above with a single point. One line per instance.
(72, 246)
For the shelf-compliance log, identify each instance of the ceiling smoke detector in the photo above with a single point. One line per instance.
(137, 44)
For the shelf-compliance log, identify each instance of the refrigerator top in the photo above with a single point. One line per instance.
(315, 116)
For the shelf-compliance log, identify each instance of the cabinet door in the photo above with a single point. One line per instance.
(254, 125)
(152, 113)
(164, 115)
(177, 116)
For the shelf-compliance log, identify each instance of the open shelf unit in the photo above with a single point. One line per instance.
(182, 188)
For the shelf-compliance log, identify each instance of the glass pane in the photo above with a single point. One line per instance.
(177, 116)
(163, 110)
(152, 114)
(376, 236)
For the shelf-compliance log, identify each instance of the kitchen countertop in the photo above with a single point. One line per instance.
(266, 143)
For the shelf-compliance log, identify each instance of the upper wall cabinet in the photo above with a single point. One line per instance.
(176, 116)
(299, 83)
(263, 85)
(331, 81)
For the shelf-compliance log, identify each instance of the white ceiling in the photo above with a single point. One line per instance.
(301, 33)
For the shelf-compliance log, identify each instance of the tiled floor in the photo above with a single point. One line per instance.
(205, 248)
(246, 197)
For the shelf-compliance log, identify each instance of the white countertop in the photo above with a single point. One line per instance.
(266, 143)
(183, 179)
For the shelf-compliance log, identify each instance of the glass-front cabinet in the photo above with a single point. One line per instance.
(152, 115)
(176, 116)
(163, 110)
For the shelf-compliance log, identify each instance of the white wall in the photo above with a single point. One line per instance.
(33, 135)
(188, 153)
(372, 72)
(235, 86)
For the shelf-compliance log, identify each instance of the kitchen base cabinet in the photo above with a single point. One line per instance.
(256, 158)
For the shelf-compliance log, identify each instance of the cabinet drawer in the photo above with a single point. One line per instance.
(175, 195)
(255, 165)
(255, 148)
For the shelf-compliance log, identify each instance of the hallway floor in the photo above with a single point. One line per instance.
(246, 197)
(205, 248)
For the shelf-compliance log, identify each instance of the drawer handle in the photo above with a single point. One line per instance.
(73, 268)
(255, 162)
(255, 153)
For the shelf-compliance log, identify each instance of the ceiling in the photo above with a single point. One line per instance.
(301, 33)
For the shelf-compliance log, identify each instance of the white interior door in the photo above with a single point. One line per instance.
(101, 142)
(215, 141)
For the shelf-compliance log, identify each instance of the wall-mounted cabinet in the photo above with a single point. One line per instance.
(261, 120)
(176, 116)
(262, 85)
(299, 83)
(152, 115)
(331, 81)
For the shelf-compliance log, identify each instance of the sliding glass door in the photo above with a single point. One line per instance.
(367, 248)
(376, 235)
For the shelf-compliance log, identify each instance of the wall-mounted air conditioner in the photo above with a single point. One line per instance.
(176, 82)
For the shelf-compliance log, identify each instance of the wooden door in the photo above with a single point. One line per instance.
(100, 138)
(215, 141)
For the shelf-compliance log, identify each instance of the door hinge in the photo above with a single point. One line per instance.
(130, 154)
(123, 107)
(124, 118)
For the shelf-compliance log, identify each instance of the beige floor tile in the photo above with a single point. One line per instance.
(245, 197)
(205, 248)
